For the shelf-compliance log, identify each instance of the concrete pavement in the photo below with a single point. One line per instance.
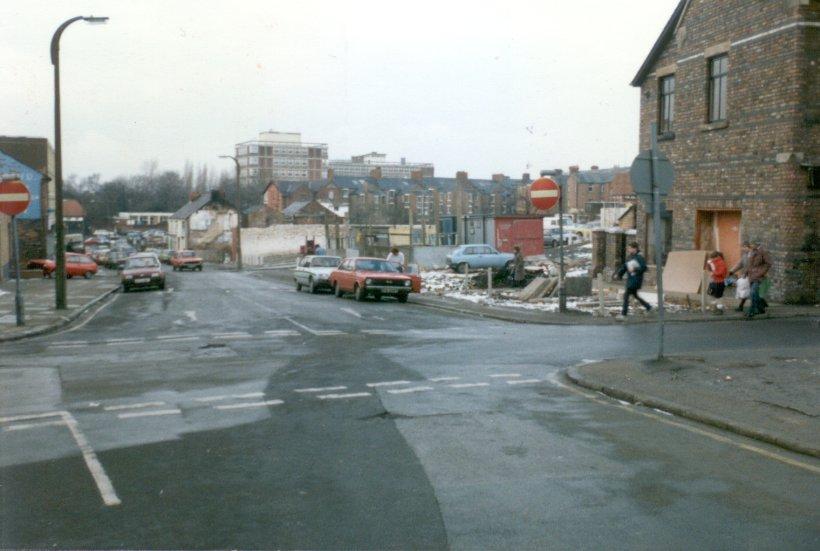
(772, 394)
(38, 299)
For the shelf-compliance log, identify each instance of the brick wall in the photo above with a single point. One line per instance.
(752, 162)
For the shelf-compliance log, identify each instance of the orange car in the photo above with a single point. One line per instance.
(75, 265)
(186, 260)
(370, 276)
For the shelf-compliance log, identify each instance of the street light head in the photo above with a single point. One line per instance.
(95, 20)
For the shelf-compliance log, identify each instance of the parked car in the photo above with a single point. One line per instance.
(116, 259)
(165, 256)
(553, 237)
(75, 265)
(467, 257)
(142, 270)
(314, 272)
(370, 276)
(186, 260)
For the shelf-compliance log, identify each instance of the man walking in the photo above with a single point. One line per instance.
(519, 273)
(635, 266)
(759, 264)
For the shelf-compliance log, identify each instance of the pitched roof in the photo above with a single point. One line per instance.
(599, 176)
(73, 209)
(664, 38)
(294, 208)
(193, 206)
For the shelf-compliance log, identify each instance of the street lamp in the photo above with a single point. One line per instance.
(59, 246)
(239, 213)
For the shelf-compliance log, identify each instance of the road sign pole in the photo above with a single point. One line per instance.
(18, 296)
(656, 224)
(562, 295)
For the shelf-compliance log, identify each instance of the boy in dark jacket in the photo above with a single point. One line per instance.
(635, 266)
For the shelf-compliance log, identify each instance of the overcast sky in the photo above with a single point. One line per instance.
(498, 86)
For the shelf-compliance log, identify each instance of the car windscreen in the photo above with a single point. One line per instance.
(141, 263)
(372, 265)
(188, 254)
(325, 261)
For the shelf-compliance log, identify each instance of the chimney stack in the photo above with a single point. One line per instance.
(461, 176)
(498, 178)
(594, 167)
(574, 169)
(376, 173)
(330, 175)
(525, 178)
(416, 175)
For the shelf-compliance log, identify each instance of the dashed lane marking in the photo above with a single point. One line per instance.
(175, 337)
(379, 332)
(236, 335)
(24, 426)
(69, 343)
(352, 312)
(388, 383)
(468, 385)
(229, 396)
(124, 342)
(282, 333)
(317, 332)
(442, 379)
(329, 332)
(343, 396)
(410, 390)
(523, 381)
(504, 375)
(134, 406)
(155, 413)
(321, 389)
(250, 404)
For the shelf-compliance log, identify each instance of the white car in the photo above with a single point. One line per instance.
(313, 272)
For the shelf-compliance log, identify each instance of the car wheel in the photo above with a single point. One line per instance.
(311, 286)
(162, 286)
(462, 267)
(298, 286)
(88, 275)
(337, 290)
(402, 297)
(125, 288)
(377, 296)
(68, 276)
(174, 268)
(359, 293)
(199, 268)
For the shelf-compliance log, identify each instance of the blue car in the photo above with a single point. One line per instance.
(468, 257)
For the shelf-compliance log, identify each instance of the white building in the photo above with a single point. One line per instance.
(281, 156)
(359, 166)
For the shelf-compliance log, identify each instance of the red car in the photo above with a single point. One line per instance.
(370, 276)
(186, 260)
(75, 265)
(142, 270)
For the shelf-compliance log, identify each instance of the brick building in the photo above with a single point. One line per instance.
(733, 87)
(32, 223)
(596, 186)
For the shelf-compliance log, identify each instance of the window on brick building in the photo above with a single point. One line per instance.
(718, 82)
(667, 103)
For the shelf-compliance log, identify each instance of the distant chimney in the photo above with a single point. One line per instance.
(525, 177)
(193, 196)
(416, 175)
(574, 169)
(461, 176)
(376, 173)
(594, 167)
(498, 178)
(330, 175)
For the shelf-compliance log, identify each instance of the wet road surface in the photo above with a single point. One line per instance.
(232, 411)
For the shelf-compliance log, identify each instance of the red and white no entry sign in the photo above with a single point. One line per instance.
(14, 197)
(544, 193)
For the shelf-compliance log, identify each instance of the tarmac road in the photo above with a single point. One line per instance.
(233, 412)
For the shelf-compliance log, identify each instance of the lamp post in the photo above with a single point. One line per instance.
(238, 213)
(59, 234)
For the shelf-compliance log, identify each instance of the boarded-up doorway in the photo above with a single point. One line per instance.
(719, 230)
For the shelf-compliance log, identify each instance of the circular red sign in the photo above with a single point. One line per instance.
(544, 193)
(14, 197)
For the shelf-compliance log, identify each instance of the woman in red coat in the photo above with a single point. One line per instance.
(717, 280)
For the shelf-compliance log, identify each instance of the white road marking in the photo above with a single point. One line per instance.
(69, 343)
(317, 332)
(122, 342)
(468, 385)
(91, 316)
(411, 389)
(388, 383)
(104, 485)
(128, 339)
(237, 335)
(378, 331)
(662, 412)
(343, 396)
(181, 339)
(175, 337)
(154, 413)
(191, 314)
(134, 406)
(31, 416)
(226, 396)
(282, 333)
(251, 404)
(505, 375)
(440, 379)
(524, 381)
(320, 389)
(378, 318)
(352, 312)
(24, 426)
